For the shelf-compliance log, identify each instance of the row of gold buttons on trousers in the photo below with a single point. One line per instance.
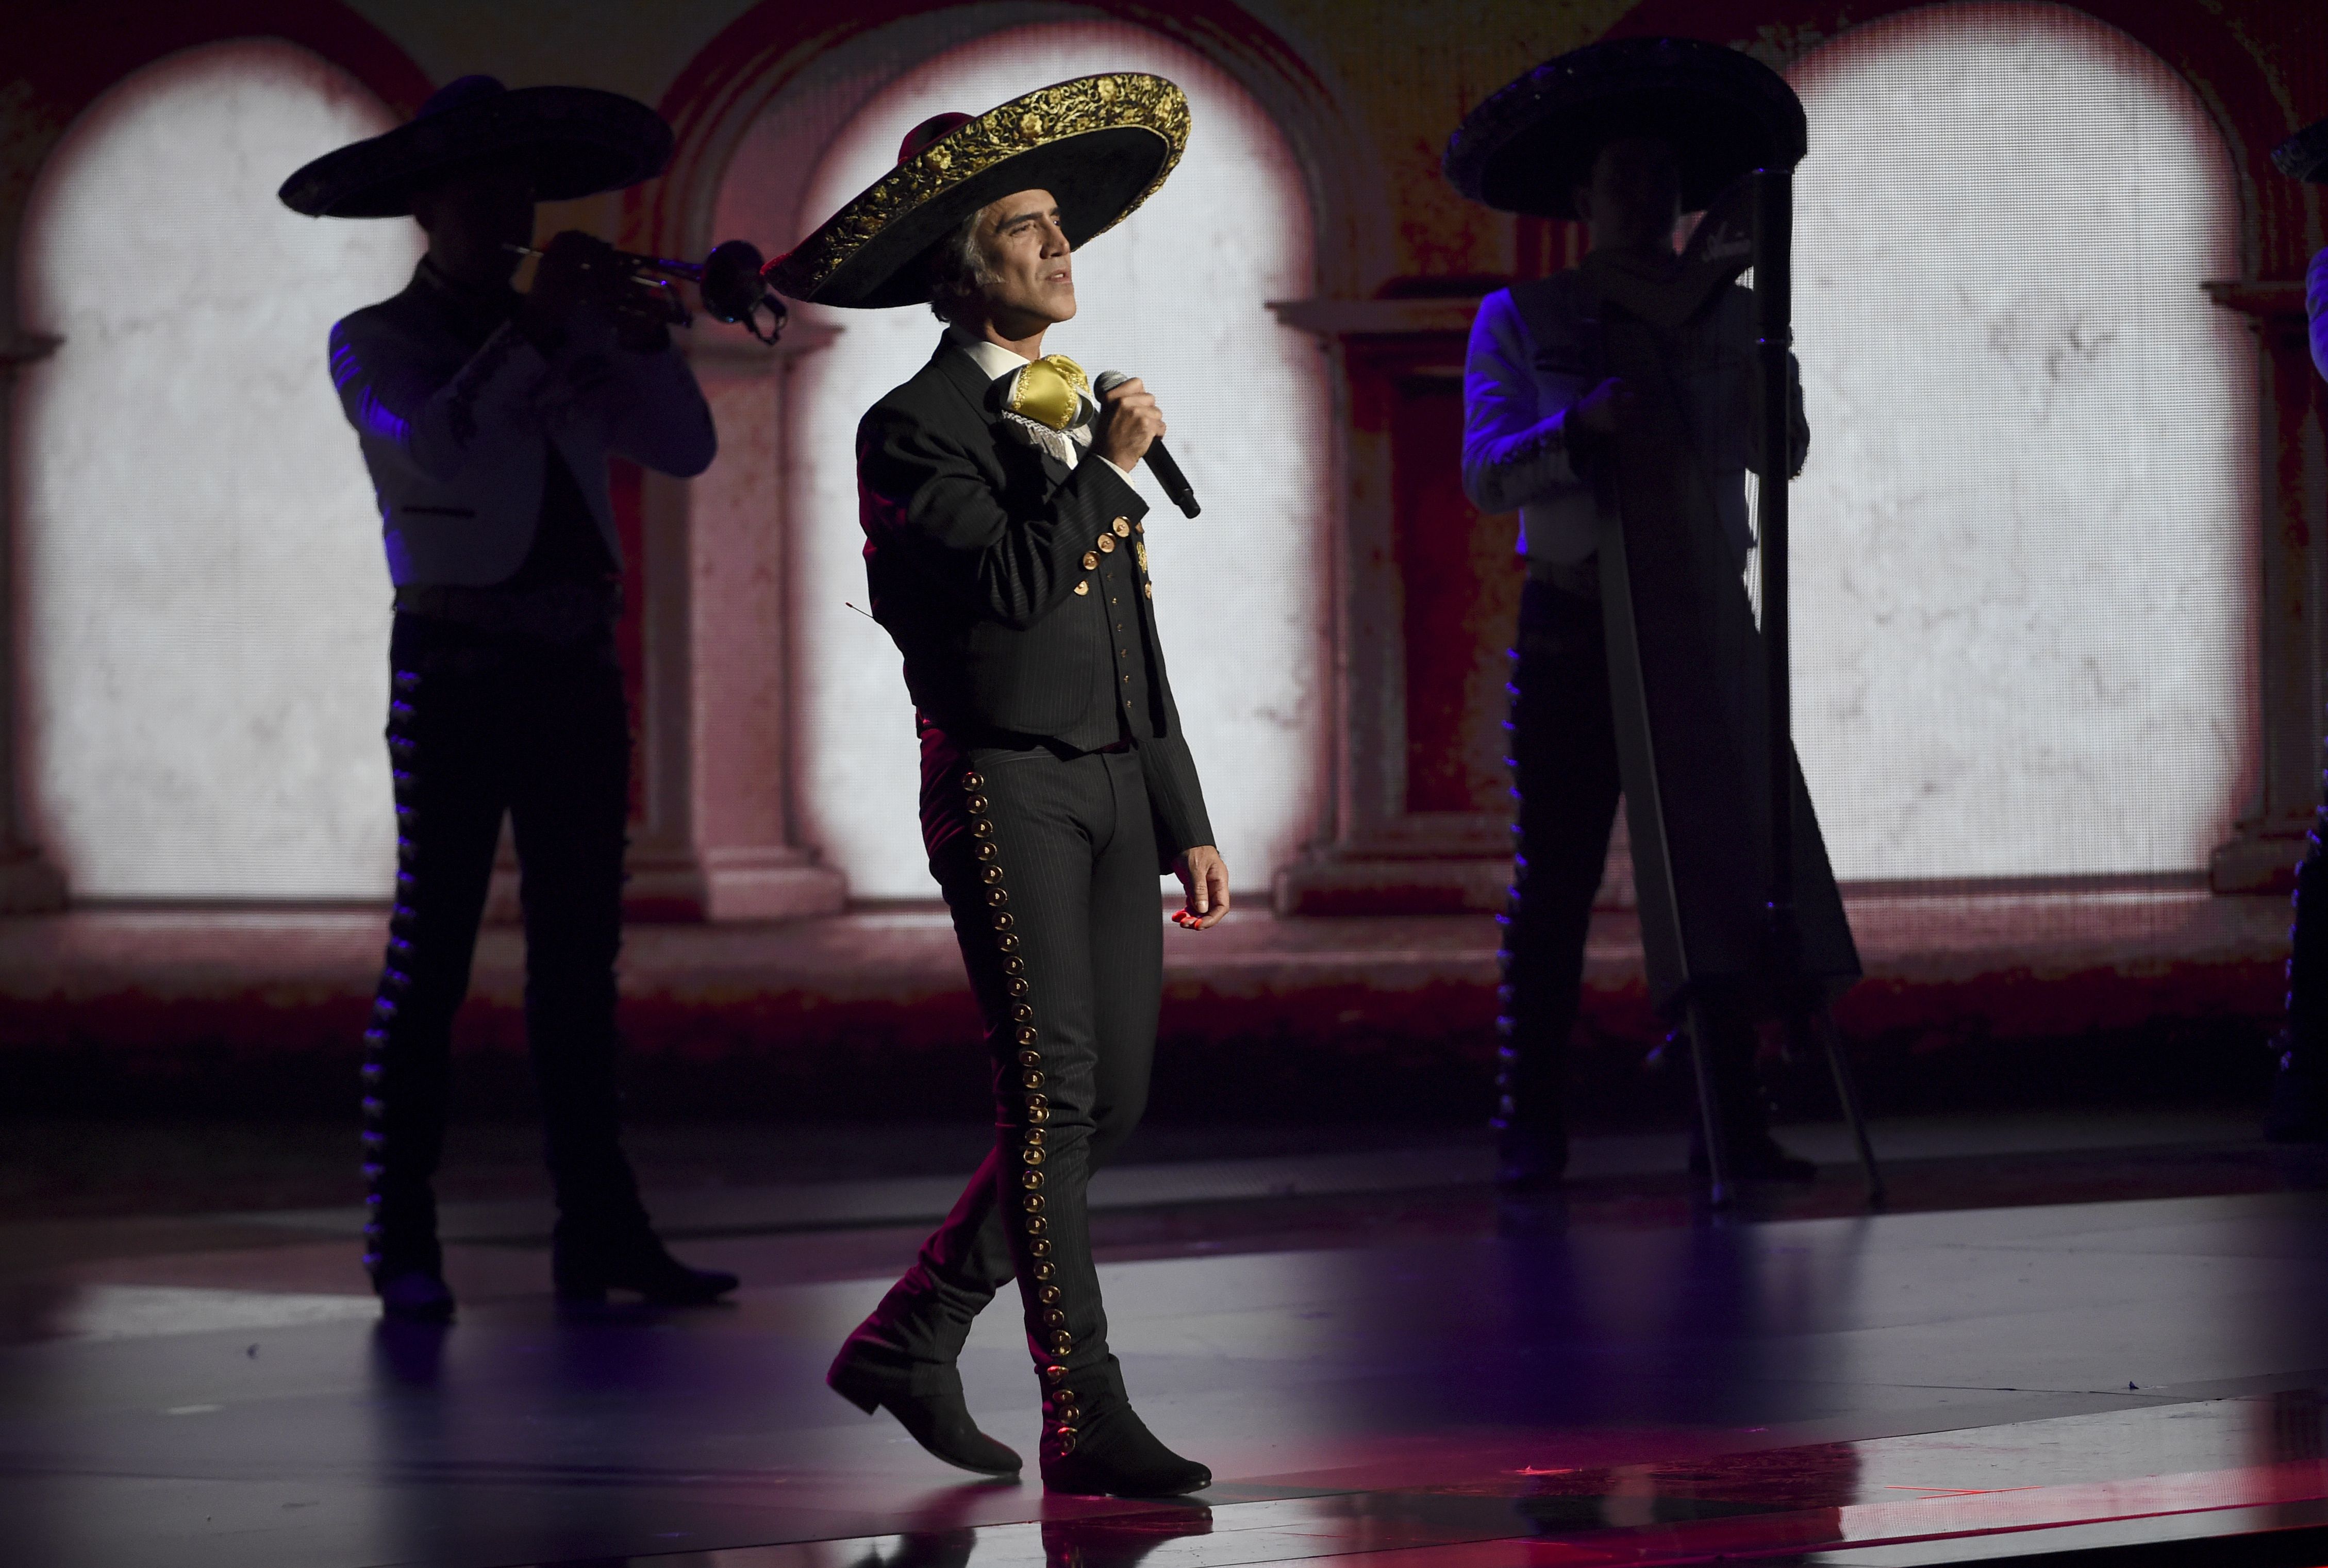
(1059, 1402)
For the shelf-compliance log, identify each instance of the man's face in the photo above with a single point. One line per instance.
(474, 215)
(1033, 275)
(1634, 199)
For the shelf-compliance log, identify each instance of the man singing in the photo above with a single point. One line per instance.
(1007, 557)
(486, 417)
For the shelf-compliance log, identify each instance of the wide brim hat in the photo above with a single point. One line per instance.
(580, 141)
(1100, 144)
(2304, 155)
(1529, 145)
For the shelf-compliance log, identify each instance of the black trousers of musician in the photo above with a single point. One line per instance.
(1048, 862)
(482, 725)
(1563, 755)
(2299, 1097)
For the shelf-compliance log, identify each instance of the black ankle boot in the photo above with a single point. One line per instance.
(585, 1269)
(2298, 1112)
(925, 1396)
(1530, 1157)
(415, 1295)
(407, 1271)
(1095, 1443)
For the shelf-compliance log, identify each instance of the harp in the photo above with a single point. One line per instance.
(1739, 904)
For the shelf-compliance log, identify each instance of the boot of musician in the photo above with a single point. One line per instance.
(2298, 1108)
(1564, 779)
(902, 1358)
(405, 1087)
(1094, 1442)
(1741, 1104)
(1544, 927)
(603, 1240)
(1530, 1122)
(444, 855)
(1541, 965)
(569, 749)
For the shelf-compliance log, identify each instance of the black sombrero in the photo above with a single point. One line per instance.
(2304, 155)
(1723, 113)
(579, 140)
(1101, 145)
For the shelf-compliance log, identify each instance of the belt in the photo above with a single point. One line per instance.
(1580, 580)
(566, 613)
(1015, 741)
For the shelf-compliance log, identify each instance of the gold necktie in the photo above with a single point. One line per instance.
(1050, 391)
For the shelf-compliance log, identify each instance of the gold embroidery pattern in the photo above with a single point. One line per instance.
(1051, 114)
(1048, 1335)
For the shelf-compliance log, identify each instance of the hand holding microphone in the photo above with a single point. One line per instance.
(1134, 430)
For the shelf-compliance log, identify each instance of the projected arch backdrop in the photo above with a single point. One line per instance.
(2026, 635)
(205, 606)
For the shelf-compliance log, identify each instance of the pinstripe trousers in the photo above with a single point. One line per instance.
(1047, 861)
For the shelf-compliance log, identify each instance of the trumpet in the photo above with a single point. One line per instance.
(728, 280)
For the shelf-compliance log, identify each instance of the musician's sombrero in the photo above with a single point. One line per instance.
(579, 140)
(1101, 145)
(2304, 155)
(1531, 143)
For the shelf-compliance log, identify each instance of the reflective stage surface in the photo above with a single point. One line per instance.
(1432, 1384)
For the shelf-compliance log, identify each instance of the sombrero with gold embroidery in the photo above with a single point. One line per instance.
(1101, 145)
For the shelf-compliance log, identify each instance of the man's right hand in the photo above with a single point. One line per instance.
(1597, 410)
(578, 271)
(1128, 423)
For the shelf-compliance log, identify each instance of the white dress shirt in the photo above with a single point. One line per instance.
(458, 435)
(1518, 393)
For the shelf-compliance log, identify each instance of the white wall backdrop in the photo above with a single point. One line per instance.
(1175, 295)
(204, 602)
(2024, 634)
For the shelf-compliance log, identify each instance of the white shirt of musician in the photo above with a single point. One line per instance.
(2315, 306)
(1516, 396)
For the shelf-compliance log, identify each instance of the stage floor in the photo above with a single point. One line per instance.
(1433, 1380)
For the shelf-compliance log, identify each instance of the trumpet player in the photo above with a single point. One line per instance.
(486, 417)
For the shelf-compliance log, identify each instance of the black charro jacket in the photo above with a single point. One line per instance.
(974, 546)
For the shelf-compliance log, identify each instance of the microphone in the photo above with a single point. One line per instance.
(1160, 462)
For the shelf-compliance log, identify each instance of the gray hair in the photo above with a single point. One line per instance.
(959, 273)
